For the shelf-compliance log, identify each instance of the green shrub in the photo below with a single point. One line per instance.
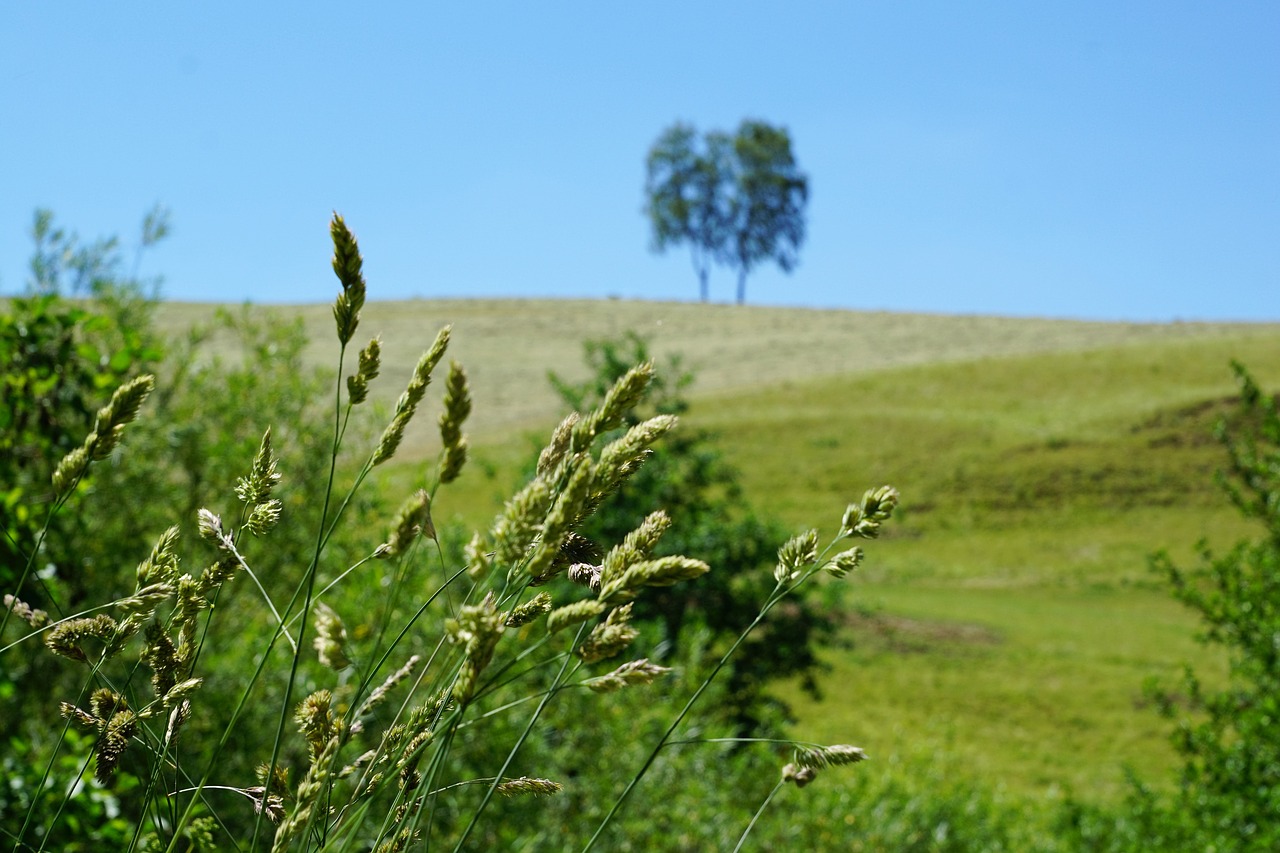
(1230, 786)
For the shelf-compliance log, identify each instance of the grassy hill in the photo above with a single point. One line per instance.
(509, 345)
(1006, 624)
(1010, 619)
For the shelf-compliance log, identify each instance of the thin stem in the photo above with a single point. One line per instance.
(231, 545)
(488, 795)
(778, 592)
(309, 582)
(35, 549)
(755, 817)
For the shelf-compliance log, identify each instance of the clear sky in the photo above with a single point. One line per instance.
(1112, 160)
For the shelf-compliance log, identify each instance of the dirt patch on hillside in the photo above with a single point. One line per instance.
(904, 635)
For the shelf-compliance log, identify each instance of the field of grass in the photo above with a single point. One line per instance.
(1012, 619)
(1006, 624)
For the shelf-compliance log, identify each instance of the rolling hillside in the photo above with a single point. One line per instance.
(1005, 625)
(509, 345)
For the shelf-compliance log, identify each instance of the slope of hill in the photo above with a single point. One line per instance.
(508, 346)
(1007, 623)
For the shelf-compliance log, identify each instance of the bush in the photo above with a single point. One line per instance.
(1230, 785)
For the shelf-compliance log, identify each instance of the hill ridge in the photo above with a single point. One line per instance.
(508, 345)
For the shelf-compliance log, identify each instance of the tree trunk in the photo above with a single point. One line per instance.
(702, 283)
(742, 286)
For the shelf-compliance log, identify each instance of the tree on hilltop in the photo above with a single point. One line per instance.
(768, 220)
(689, 187)
(737, 200)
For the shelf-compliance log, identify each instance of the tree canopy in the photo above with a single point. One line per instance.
(737, 200)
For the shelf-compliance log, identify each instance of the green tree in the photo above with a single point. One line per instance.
(738, 200)
(689, 188)
(769, 202)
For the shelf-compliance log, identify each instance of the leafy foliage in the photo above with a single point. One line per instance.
(60, 359)
(688, 192)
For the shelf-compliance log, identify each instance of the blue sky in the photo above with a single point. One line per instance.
(1116, 160)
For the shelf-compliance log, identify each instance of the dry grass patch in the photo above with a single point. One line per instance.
(508, 345)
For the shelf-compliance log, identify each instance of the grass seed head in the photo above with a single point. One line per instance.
(610, 637)
(113, 742)
(209, 525)
(637, 545)
(829, 756)
(844, 562)
(177, 718)
(263, 476)
(32, 616)
(529, 611)
(379, 695)
(370, 362)
(159, 654)
(585, 574)
(663, 571)
(515, 529)
(477, 629)
(479, 557)
(162, 564)
(526, 785)
(573, 614)
(795, 555)
(65, 637)
(797, 775)
(314, 717)
(631, 673)
(555, 451)
(331, 638)
(107, 429)
(457, 407)
(69, 470)
(866, 518)
(348, 267)
(413, 518)
(407, 405)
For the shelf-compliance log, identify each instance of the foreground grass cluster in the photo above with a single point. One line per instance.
(404, 732)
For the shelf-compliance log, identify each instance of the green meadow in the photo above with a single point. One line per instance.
(1003, 628)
